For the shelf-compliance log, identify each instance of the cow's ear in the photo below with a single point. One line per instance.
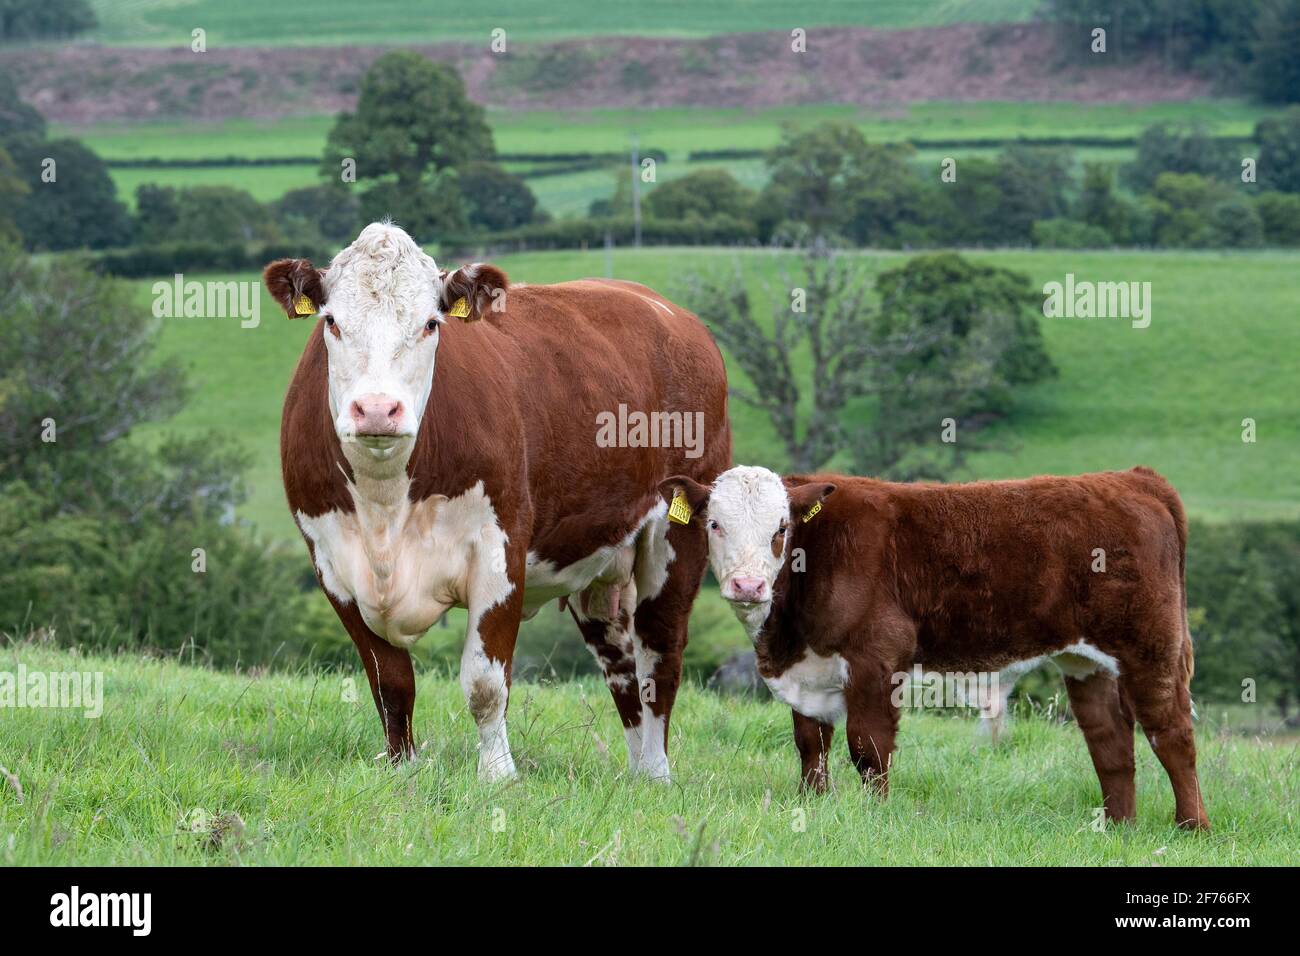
(296, 285)
(471, 292)
(679, 491)
(806, 500)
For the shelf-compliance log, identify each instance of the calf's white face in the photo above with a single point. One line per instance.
(748, 515)
(383, 303)
(748, 520)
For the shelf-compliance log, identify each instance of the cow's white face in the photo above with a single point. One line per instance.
(382, 320)
(748, 520)
(383, 303)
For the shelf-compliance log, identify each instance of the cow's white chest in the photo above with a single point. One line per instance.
(406, 563)
(814, 686)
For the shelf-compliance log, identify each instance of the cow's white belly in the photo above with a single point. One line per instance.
(814, 686)
(406, 564)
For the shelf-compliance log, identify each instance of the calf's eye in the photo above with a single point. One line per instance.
(431, 325)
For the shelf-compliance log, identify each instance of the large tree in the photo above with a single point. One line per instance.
(412, 118)
(949, 340)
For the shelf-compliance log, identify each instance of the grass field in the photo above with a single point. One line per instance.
(676, 131)
(679, 130)
(1222, 346)
(245, 22)
(189, 766)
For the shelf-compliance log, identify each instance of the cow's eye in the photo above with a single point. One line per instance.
(715, 527)
(431, 325)
(329, 320)
(779, 531)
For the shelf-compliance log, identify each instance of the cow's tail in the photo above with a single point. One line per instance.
(1174, 504)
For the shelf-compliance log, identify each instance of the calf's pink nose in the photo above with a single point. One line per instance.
(377, 415)
(748, 589)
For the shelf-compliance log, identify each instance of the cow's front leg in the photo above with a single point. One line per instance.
(495, 605)
(872, 723)
(391, 676)
(813, 738)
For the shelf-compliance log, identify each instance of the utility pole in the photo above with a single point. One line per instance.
(636, 195)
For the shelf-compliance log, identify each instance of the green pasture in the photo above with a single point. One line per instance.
(1223, 345)
(194, 767)
(246, 22)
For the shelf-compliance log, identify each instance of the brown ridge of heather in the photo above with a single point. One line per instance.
(82, 83)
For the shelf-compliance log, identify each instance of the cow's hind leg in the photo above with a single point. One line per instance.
(660, 630)
(610, 642)
(495, 609)
(1106, 721)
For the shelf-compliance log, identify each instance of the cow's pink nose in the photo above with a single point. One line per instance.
(377, 415)
(748, 589)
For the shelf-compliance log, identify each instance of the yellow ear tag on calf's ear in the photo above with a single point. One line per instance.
(812, 512)
(302, 306)
(679, 512)
(459, 308)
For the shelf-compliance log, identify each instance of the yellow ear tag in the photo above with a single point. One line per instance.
(302, 306)
(812, 512)
(679, 511)
(459, 308)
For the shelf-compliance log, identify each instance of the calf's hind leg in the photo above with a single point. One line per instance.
(1106, 721)
(1163, 706)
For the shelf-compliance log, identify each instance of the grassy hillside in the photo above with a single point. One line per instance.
(1222, 346)
(676, 131)
(679, 131)
(246, 22)
(188, 766)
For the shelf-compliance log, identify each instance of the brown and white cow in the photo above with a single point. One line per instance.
(844, 583)
(433, 464)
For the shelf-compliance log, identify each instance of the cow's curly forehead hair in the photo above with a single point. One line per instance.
(384, 268)
(749, 494)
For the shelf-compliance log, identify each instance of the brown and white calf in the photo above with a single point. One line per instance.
(844, 583)
(433, 464)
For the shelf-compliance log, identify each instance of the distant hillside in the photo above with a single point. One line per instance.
(330, 22)
(968, 62)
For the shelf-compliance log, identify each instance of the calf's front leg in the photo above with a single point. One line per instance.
(871, 725)
(813, 738)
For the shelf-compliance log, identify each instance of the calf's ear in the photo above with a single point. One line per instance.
(696, 494)
(296, 285)
(472, 291)
(806, 500)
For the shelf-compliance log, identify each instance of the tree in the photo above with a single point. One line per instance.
(495, 199)
(78, 209)
(329, 211)
(412, 118)
(832, 181)
(950, 339)
(44, 19)
(1275, 72)
(961, 337)
(702, 194)
(1279, 151)
(1172, 148)
(17, 118)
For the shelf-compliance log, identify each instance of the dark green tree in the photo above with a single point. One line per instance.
(1279, 151)
(702, 194)
(494, 198)
(412, 117)
(79, 208)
